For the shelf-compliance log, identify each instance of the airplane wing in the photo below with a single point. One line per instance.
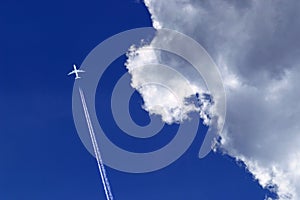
(79, 70)
(72, 72)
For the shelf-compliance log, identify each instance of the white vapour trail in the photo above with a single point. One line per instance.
(102, 171)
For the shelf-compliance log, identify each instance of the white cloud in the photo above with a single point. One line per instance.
(166, 90)
(256, 46)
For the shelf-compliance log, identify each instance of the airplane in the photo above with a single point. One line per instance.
(75, 71)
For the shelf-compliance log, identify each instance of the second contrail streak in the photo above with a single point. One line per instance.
(102, 171)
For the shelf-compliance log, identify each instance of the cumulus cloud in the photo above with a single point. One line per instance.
(256, 46)
(166, 84)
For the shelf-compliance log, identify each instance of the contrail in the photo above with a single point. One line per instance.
(102, 171)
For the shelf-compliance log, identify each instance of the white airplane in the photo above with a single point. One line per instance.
(75, 71)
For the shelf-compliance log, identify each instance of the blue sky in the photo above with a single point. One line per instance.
(41, 155)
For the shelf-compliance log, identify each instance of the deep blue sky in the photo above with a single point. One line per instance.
(41, 155)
